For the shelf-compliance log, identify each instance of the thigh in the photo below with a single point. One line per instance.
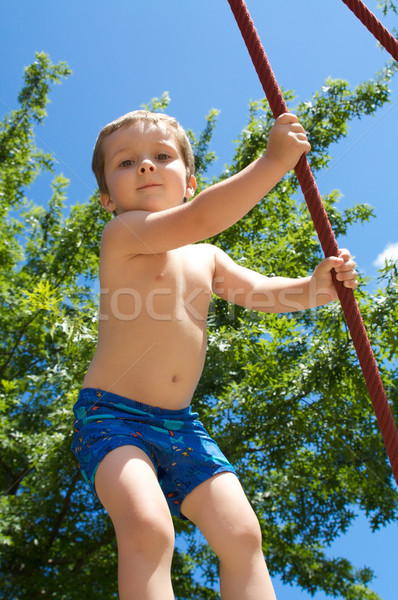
(220, 509)
(127, 485)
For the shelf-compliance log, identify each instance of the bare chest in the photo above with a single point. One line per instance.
(170, 286)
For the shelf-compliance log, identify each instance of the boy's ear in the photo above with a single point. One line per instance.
(191, 187)
(107, 202)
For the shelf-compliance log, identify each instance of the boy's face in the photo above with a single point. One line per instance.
(144, 170)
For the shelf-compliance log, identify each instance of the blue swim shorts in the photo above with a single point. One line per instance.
(182, 452)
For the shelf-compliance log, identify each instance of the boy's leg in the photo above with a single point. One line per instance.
(220, 509)
(127, 486)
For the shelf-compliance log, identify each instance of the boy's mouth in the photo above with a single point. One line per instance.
(148, 185)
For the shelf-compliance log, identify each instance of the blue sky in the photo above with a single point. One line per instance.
(126, 52)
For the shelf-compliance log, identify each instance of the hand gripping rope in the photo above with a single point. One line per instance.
(319, 216)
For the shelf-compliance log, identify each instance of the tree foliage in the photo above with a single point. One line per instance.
(283, 394)
(387, 5)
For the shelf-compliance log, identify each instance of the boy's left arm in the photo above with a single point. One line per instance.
(255, 291)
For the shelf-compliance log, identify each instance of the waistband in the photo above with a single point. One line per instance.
(95, 395)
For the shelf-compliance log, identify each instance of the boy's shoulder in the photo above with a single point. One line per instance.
(202, 251)
(143, 233)
(195, 255)
(193, 264)
(118, 236)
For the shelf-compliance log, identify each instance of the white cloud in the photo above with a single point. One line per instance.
(390, 252)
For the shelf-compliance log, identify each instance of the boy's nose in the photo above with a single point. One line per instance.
(147, 166)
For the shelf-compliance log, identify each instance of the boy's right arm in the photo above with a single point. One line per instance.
(216, 208)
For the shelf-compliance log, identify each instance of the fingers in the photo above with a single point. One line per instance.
(294, 127)
(344, 267)
(345, 271)
(287, 142)
(347, 274)
(292, 121)
(286, 118)
(344, 254)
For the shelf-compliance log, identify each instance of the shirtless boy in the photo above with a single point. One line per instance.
(140, 447)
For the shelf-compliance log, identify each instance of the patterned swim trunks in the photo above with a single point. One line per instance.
(182, 452)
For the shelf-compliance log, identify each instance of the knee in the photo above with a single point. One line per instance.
(248, 534)
(244, 540)
(146, 534)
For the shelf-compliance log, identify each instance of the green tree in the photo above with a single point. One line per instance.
(283, 395)
(387, 5)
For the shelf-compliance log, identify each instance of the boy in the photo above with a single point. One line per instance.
(140, 447)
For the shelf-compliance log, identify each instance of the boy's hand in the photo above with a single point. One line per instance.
(322, 280)
(287, 142)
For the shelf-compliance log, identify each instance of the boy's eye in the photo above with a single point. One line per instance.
(126, 163)
(163, 156)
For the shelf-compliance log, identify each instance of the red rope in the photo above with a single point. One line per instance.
(326, 238)
(375, 27)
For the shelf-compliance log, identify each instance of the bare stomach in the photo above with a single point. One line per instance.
(154, 372)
